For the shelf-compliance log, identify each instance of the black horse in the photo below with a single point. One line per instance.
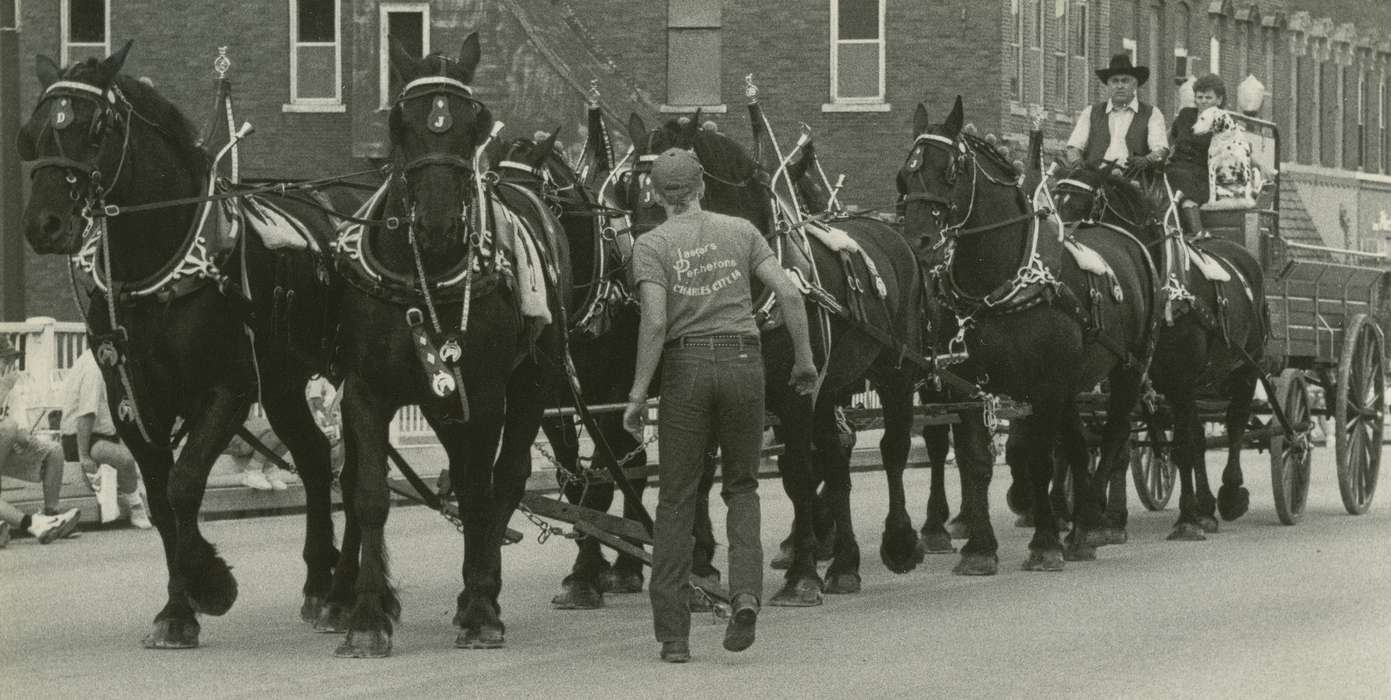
(188, 323)
(463, 351)
(1210, 343)
(735, 185)
(1038, 325)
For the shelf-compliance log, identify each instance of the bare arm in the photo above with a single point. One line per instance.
(651, 333)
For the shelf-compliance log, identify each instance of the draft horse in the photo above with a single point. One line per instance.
(1043, 313)
(187, 322)
(433, 315)
(736, 186)
(1210, 343)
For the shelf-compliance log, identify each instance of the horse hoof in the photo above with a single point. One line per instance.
(1115, 535)
(485, 637)
(1094, 538)
(1187, 532)
(1233, 502)
(311, 607)
(1208, 523)
(783, 561)
(1025, 520)
(977, 565)
(365, 644)
(899, 550)
(620, 582)
(1044, 560)
(331, 620)
(936, 543)
(959, 530)
(803, 593)
(843, 584)
(173, 634)
(1083, 551)
(578, 595)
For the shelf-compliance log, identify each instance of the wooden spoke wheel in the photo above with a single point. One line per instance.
(1290, 456)
(1360, 401)
(1152, 468)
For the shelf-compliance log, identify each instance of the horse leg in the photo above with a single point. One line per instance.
(843, 575)
(1233, 499)
(1038, 433)
(1071, 457)
(899, 547)
(1188, 455)
(366, 419)
(976, 460)
(580, 589)
(626, 574)
(211, 588)
(934, 536)
(341, 596)
(289, 416)
(803, 585)
(176, 624)
(1019, 497)
(1114, 459)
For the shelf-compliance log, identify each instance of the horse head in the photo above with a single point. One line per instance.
(732, 177)
(805, 173)
(436, 124)
(933, 194)
(81, 138)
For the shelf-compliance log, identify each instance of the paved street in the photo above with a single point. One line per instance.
(1259, 610)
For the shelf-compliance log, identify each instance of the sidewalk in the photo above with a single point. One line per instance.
(227, 498)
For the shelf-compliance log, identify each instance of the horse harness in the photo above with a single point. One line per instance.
(1034, 281)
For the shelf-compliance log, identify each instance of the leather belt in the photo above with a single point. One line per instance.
(713, 341)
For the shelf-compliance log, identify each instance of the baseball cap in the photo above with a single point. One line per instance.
(676, 174)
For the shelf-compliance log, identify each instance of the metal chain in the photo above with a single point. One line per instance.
(546, 529)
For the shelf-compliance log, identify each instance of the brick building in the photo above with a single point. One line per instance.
(310, 75)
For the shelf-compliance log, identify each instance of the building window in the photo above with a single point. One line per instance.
(693, 54)
(1381, 126)
(1214, 50)
(316, 53)
(1361, 119)
(1156, 57)
(857, 50)
(408, 24)
(1079, 30)
(1016, 47)
(1181, 67)
(86, 30)
(1060, 73)
(1038, 24)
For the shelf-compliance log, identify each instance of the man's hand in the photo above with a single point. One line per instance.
(89, 465)
(803, 377)
(632, 418)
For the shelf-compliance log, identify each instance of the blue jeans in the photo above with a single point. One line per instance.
(709, 395)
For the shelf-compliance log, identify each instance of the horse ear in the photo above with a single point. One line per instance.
(47, 71)
(111, 67)
(402, 63)
(636, 129)
(953, 123)
(545, 149)
(920, 122)
(469, 55)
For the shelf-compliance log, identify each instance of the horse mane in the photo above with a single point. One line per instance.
(982, 147)
(150, 106)
(717, 153)
(1121, 189)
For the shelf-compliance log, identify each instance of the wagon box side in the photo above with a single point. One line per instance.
(1311, 303)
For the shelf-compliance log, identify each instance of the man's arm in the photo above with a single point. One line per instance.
(1158, 136)
(84, 441)
(652, 328)
(1077, 142)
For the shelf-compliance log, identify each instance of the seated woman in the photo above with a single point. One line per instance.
(1187, 167)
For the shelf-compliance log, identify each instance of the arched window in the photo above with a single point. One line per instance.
(1016, 48)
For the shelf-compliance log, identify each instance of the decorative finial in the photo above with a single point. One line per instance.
(593, 94)
(1036, 118)
(222, 64)
(750, 90)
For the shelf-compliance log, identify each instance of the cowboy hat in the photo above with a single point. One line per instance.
(1120, 65)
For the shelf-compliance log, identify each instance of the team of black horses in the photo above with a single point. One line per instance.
(427, 293)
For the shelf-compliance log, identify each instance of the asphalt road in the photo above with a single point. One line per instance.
(1258, 610)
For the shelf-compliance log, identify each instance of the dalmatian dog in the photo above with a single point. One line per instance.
(1232, 178)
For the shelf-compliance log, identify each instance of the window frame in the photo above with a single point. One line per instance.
(1081, 47)
(384, 12)
(316, 104)
(64, 23)
(836, 41)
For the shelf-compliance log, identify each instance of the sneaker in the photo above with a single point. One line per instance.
(257, 480)
(47, 528)
(139, 516)
(276, 477)
(739, 635)
(103, 484)
(678, 652)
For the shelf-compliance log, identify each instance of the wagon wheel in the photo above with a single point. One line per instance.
(1289, 458)
(1152, 468)
(1357, 415)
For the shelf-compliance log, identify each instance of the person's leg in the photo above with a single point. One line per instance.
(52, 470)
(10, 514)
(1192, 217)
(683, 424)
(114, 453)
(739, 430)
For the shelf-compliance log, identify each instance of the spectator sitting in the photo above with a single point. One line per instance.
(24, 456)
(89, 438)
(260, 472)
(44, 528)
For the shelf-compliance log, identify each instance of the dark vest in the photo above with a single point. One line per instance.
(1099, 136)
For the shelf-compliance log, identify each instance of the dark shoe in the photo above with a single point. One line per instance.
(678, 652)
(739, 635)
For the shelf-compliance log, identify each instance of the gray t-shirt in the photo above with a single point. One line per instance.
(704, 260)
